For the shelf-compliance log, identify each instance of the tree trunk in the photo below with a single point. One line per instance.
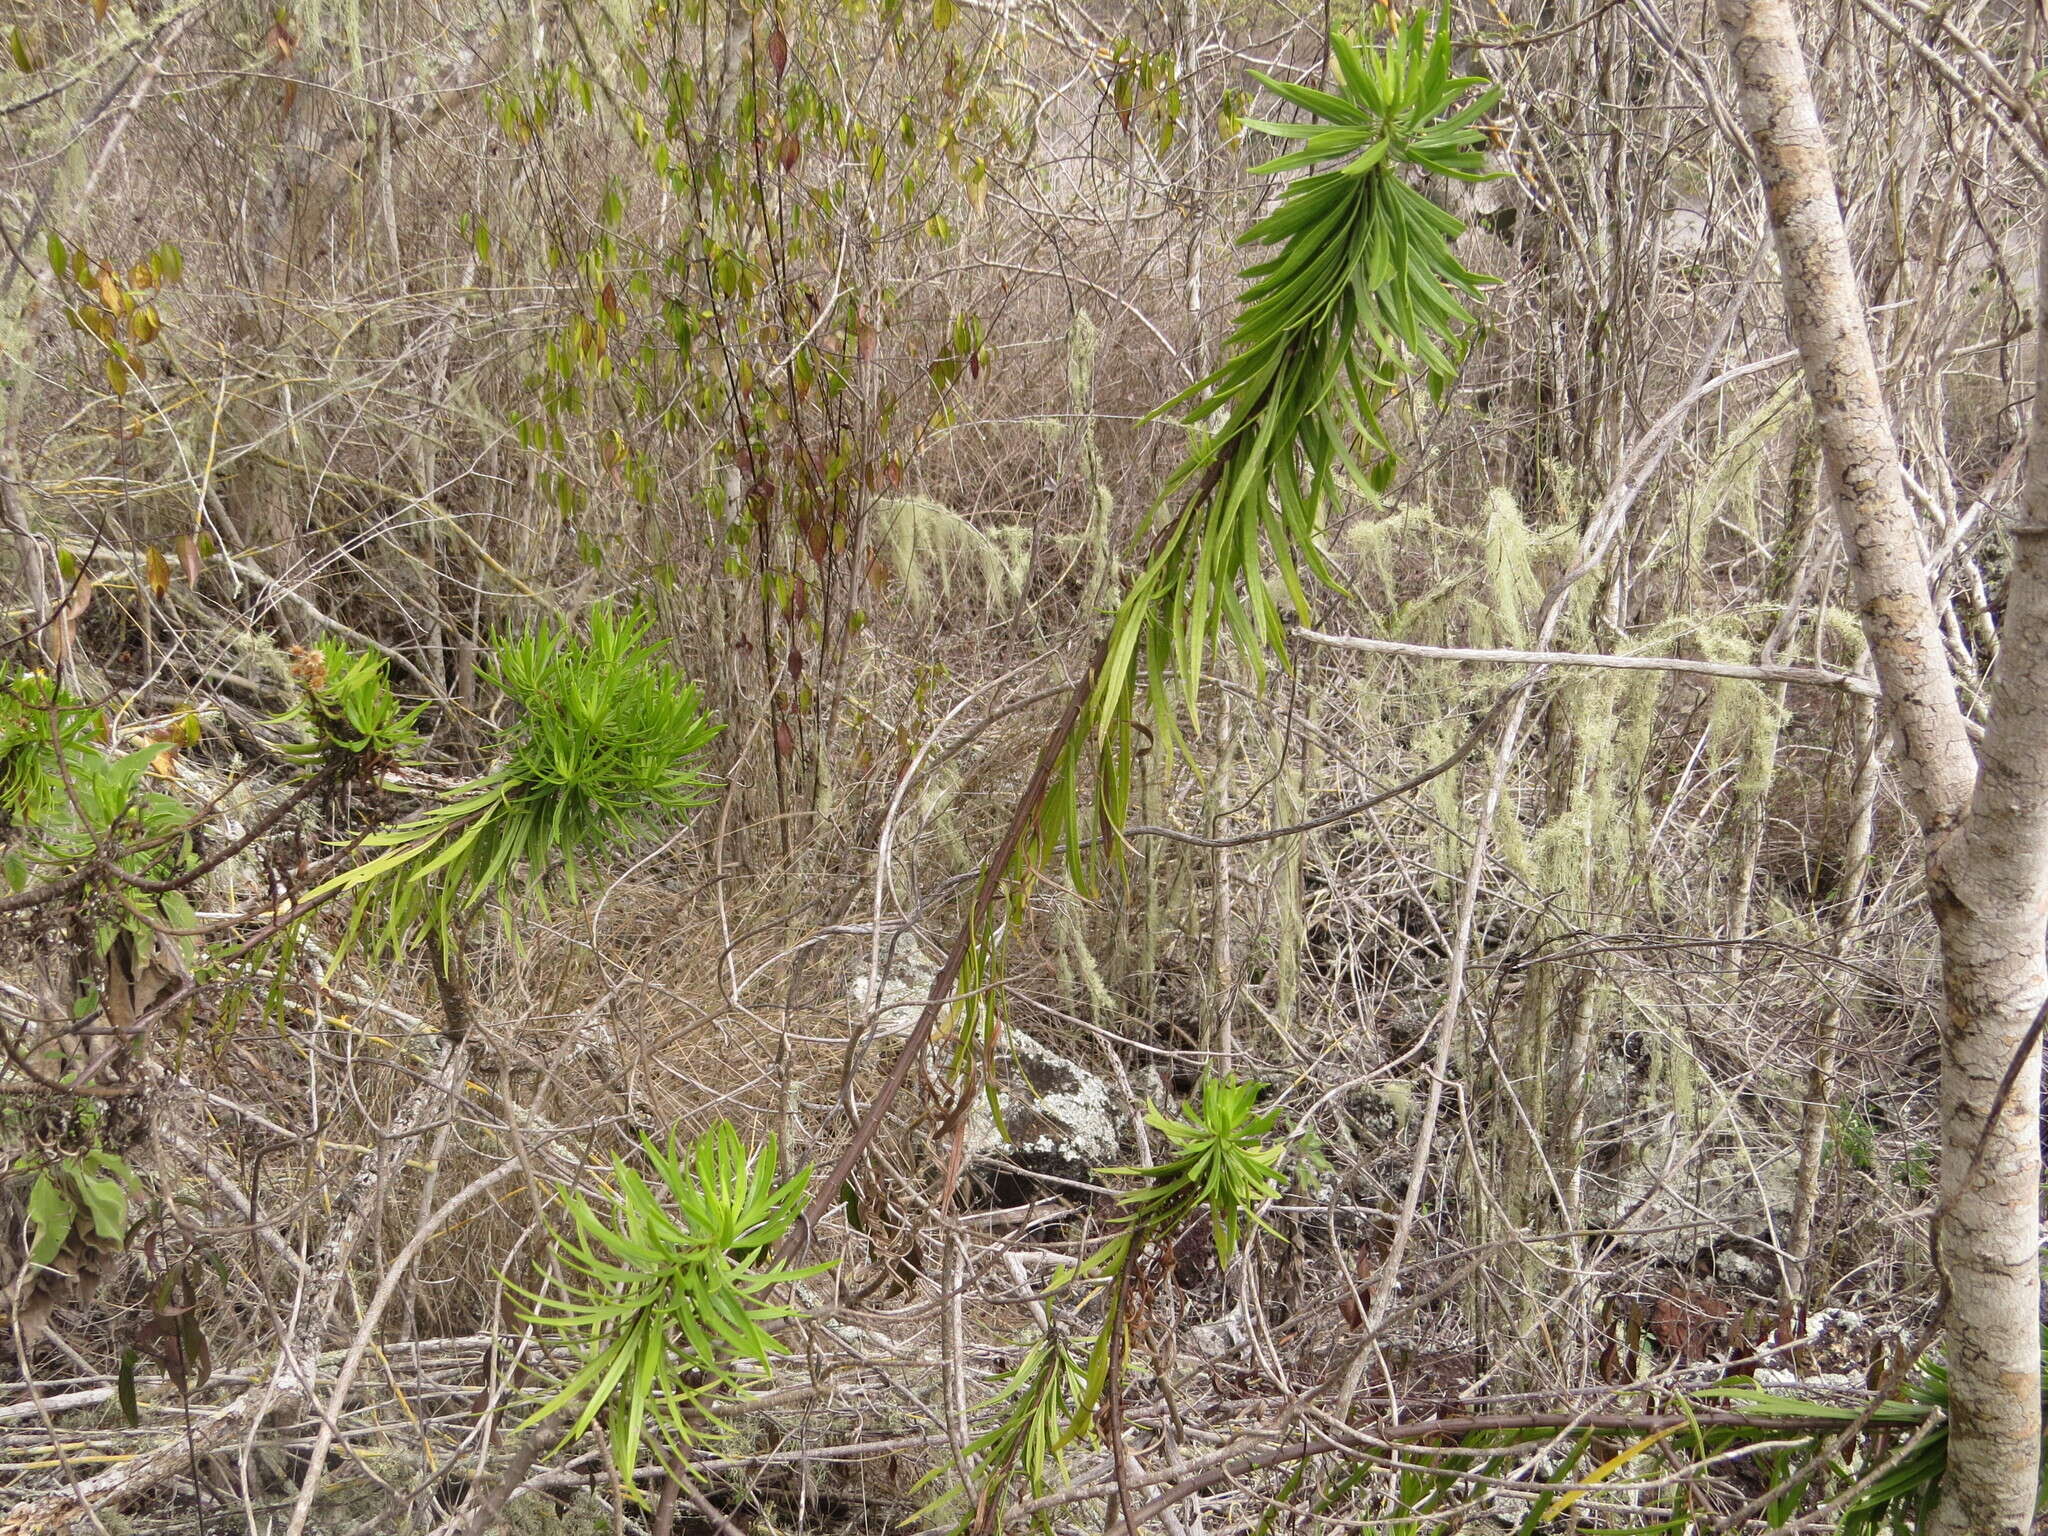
(1989, 887)
(1986, 832)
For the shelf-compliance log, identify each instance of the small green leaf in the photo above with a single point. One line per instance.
(124, 1390)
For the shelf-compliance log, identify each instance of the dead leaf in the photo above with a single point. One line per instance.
(1687, 1324)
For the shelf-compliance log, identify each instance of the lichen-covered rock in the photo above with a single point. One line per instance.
(1703, 1183)
(887, 1002)
(1058, 1119)
(1717, 1214)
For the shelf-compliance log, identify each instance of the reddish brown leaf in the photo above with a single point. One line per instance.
(1688, 1323)
(785, 739)
(778, 52)
(160, 1340)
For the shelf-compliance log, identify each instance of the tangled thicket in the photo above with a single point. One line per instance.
(545, 545)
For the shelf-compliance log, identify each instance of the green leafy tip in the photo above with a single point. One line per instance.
(605, 747)
(357, 727)
(662, 1298)
(1226, 1165)
(1363, 289)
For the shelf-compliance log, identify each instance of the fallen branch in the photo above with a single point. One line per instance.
(1390, 1436)
(1813, 677)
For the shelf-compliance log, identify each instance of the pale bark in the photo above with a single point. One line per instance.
(1824, 312)
(1989, 887)
(1987, 833)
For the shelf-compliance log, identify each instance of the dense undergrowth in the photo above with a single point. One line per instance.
(545, 547)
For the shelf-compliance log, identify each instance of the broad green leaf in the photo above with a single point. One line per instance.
(50, 1214)
(105, 1201)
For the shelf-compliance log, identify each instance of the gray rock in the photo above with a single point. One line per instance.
(1060, 1118)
